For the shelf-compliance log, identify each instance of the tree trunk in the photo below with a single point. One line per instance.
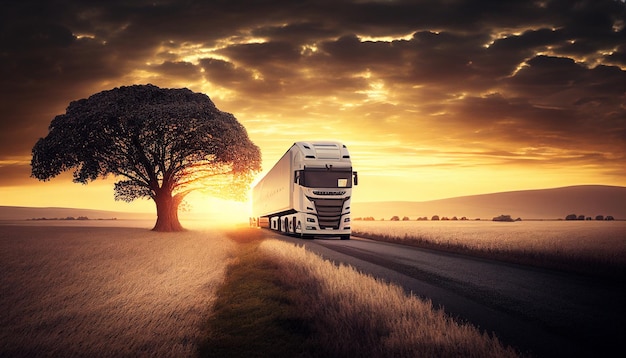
(167, 213)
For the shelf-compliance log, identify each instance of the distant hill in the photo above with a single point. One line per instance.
(26, 213)
(588, 200)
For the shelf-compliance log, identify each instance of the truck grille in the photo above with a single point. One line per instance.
(318, 192)
(328, 212)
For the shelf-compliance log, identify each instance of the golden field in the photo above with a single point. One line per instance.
(594, 247)
(100, 290)
(106, 291)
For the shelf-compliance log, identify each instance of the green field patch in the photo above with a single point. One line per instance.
(255, 313)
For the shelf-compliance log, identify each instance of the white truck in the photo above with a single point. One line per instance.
(307, 192)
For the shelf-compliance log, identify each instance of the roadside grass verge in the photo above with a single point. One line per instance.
(254, 314)
(281, 300)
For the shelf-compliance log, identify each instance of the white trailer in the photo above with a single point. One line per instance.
(307, 192)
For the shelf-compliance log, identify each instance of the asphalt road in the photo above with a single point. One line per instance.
(539, 312)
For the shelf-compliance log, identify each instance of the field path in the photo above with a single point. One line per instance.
(545, 313)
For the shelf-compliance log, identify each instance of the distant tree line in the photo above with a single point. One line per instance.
(503, 218)
(583, 217)
(70, 218)
(421, 218)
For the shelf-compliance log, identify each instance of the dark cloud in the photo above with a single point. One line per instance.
(225, 73)
(300, 32)
(350, 52)
(529, 73)
(263, 54)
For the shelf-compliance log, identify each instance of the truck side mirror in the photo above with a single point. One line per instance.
(356, 178)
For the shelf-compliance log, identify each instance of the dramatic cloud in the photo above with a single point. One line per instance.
(426, 87)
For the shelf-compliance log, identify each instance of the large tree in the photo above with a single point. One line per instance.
(161, 143)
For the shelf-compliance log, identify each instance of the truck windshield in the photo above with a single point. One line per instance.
(323, 178)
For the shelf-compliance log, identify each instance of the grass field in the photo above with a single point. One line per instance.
(590, 247)
(106, 291)
(284, 301)
(127, 292)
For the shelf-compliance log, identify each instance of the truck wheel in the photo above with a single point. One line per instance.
(293, 227)
(344, 237)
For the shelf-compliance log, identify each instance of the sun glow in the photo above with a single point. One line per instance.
(309, 49)
(85, 36)
(194, 52)
(388, 38)
(214, 211)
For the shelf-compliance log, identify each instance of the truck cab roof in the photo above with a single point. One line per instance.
(323, 150)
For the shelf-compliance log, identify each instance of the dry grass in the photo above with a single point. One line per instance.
(106, 291)
(590, 247)
(355, 315)
(254, 314)
(93, 291)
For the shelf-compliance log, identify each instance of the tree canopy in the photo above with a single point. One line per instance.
(161, 143)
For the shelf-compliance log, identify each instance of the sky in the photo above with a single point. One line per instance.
(434, 99)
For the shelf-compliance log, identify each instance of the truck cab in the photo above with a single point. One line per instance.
(315, 201)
